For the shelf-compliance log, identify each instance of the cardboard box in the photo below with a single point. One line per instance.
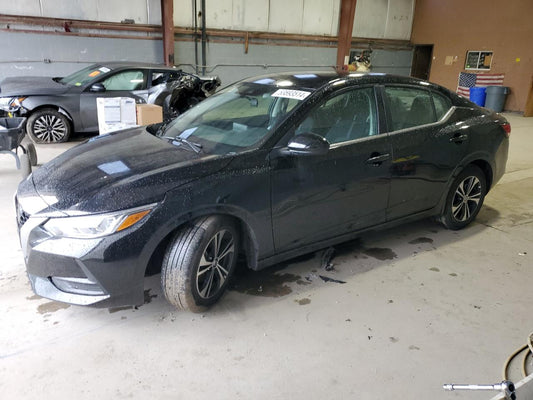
(148, 114)
(115, 113)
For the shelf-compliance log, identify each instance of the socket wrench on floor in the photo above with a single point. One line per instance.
(506, 387)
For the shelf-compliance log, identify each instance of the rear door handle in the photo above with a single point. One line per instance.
(377, 159)
(458, 138)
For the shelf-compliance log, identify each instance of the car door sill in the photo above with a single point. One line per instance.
(287, 255)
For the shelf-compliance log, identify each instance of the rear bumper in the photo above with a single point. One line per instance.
(500, 161)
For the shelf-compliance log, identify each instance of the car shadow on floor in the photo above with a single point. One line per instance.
(342, 263)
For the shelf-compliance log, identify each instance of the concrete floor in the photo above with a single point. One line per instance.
(420, 306)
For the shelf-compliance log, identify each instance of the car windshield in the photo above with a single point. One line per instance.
(84, 76)
(237, 118)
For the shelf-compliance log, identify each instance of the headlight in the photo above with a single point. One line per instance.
(16, 102)
(96, 225)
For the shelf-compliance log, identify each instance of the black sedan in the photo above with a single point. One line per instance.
(268, 169)
(56, 107)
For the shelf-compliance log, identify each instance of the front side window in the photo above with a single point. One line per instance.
(347, 116)
(409, 107)
(126, 80)
(236, 118)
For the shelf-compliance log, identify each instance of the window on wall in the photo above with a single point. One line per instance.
(478, 60)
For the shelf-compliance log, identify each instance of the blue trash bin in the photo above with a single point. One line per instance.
(478, 95)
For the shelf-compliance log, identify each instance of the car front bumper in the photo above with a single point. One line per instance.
(101, 272)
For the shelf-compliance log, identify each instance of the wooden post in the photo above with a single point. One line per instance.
(528, 109)
(347, 12)
(167, 19)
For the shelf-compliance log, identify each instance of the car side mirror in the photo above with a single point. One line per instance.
(97, 87)
(309, 144)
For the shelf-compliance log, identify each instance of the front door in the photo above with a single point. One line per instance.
(320, 197)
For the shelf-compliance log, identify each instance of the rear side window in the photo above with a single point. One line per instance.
(159, 77)
(442, 105)
(175, 75)
(409, 107)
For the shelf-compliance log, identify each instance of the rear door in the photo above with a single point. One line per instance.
(320, 197)
(427, 145)
(125, 83)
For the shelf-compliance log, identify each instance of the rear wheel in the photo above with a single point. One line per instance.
(48, 126)
(199, 262)
(465, 198)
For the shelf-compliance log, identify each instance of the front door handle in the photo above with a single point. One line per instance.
(458, 138)
(377, 159)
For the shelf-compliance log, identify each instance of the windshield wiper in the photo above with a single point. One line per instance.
(196, 147)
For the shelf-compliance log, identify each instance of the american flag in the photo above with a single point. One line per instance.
(468, 80)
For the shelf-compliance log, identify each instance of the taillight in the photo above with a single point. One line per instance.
(507, 128)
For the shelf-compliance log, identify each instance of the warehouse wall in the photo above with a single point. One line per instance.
(232, 64)
(60, 54)
(141, 11)
(23, 53)
(456, 26)
(387, 19)
(384, 19)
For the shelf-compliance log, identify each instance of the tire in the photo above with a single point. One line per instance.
(193, 277)
(25, 166)
(32, 154)
(48, 126)
(465, 198)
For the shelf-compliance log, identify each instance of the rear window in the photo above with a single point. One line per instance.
(442, 105)
(409, 107)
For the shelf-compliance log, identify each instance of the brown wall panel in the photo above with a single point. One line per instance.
(456, 26)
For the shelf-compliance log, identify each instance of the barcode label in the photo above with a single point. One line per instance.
(291, 94)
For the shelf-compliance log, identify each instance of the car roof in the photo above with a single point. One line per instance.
(317, 79)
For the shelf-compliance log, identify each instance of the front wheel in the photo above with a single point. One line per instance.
(32, 154)
(48, 126)
(465, 198)
(199, 262)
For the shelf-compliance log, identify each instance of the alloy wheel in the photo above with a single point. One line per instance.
(466, 198)
(49, 128)
(215, 264)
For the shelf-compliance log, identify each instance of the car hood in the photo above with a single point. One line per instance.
(30, 85)
(118, 171)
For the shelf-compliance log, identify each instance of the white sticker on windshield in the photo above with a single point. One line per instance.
(291, 94)
(104, 69)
